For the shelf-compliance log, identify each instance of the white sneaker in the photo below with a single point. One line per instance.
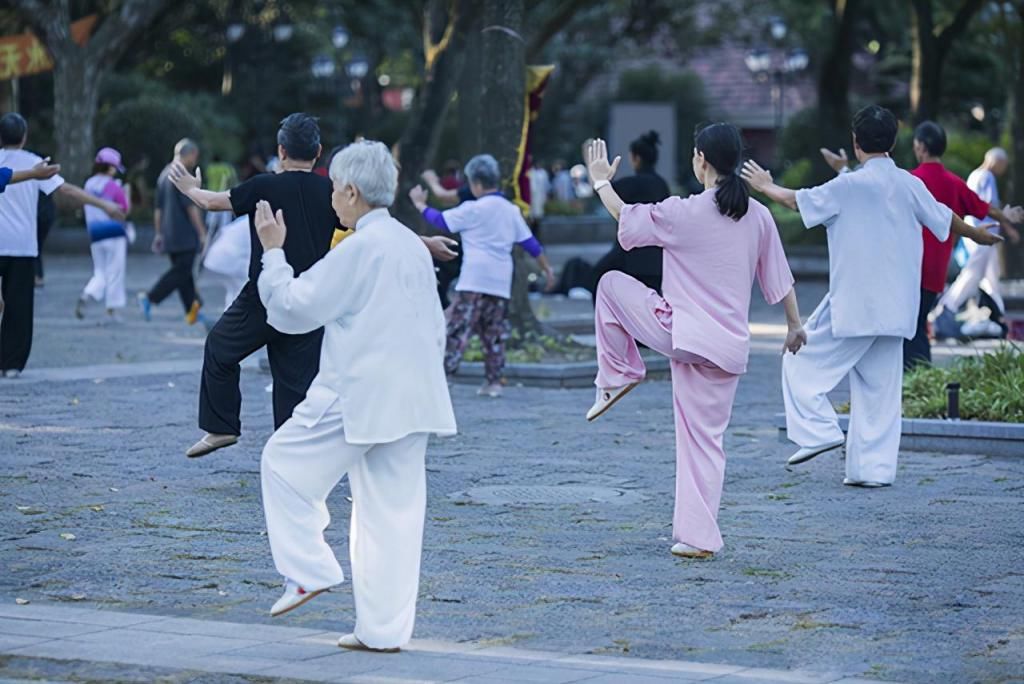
(12, 374)
(865, 484)
(985, 329)
(293, 597)
(352, 643)
(494, 390)
(686, 551)
(807, 453)
(606, 398)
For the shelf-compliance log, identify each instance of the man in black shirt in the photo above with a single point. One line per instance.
(305, 199)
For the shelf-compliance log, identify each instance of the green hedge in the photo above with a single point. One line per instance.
(991, 387)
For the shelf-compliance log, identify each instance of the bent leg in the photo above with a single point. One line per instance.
(301, 464)
(702, 397)
(294, 362)
(389, 496)
(876, 386)
(627, 312)
(969, 278)
(492, 327)
(462, 317)
(808, 377)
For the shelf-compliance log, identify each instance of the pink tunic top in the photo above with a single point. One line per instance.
(710, 262)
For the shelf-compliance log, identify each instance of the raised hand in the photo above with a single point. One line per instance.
(596, 157)
(114, 211)
(836, 161)
(183, 180)
(758, 178)
(270, 227)
(418, 195)
(1014, 214)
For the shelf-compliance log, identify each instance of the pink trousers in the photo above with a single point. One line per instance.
(627, 311)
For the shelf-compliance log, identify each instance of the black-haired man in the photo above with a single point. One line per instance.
(305, 199)
(19, 244)
(873, 217)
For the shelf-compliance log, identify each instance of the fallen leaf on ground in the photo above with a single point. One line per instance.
(97, 508)
(78, 597)
(68, 536)
(21, 601)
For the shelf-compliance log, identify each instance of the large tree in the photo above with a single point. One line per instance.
(931, 45)
(835, 72)
(79, 68)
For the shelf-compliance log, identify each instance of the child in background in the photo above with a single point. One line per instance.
(108, 237)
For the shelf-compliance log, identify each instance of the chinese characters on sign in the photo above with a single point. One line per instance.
(25, 55)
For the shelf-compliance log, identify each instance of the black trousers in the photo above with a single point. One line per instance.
(177, 277)
(919, 349)
(18, 276)
(242, 330)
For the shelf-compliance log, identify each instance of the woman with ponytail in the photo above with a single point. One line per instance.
(715, 245)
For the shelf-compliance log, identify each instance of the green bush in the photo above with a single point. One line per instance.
(798, 175)
(147, 129)
(991, 387)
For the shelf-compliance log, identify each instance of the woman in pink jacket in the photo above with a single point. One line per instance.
(716, 244)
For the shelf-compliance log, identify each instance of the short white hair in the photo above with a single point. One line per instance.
(369, 166)
(996, 154)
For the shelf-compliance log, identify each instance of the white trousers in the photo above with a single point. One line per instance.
(875, 367)
(982, 270)
(303, 461)
(109, 258)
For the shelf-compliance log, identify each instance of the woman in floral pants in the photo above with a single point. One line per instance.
(490, 227)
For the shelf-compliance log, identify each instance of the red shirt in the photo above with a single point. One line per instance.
(951, 190)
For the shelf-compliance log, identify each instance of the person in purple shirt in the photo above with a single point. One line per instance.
(490, 227)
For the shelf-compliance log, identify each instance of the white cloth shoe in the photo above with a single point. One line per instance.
(807, 453)
(865, 484)
(352, 643)
(494, 390)
(606, 398)
(686, 551)
(293, 597)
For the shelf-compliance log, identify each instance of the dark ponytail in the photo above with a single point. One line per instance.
(645, 149)
(722, 147)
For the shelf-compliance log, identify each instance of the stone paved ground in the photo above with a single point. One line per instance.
(923, 582)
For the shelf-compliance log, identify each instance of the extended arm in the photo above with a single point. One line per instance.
(761, 180)
(192, 187)
(979, 235)
(441, 248)
(444, 195)
(40, 171)
(77, 194)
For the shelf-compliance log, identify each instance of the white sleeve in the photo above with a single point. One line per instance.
(820, 205)
(337, 285)
(50, 185)
(463, 217)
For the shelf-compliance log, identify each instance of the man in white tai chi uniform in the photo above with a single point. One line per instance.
(873, 217)
(380, 392)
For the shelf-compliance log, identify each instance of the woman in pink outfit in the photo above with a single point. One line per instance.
(715, 244)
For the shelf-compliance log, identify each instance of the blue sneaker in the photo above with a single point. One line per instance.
(146, 306)
(945, 326)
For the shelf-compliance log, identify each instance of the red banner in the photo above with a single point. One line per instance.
(25, 55)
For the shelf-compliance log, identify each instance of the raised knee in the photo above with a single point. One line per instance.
(610, 280)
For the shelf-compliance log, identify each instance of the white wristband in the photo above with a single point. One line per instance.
(600, 184)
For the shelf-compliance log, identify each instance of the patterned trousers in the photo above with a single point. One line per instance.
(485, 315)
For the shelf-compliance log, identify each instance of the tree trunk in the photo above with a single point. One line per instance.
(75, 101)
(502, 87)
(930, 50)
(1015, 253)
(468, 100)
(444, 42)
(834, 82)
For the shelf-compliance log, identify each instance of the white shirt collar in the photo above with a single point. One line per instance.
(887, 160)
(372, 216)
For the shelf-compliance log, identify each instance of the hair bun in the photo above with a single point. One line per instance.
(651, 137)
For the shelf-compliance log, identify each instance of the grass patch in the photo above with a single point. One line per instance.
(533, 348)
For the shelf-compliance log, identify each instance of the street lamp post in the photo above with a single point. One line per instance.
(764, 65)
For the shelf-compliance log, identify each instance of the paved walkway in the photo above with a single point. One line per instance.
(543, 532)
(167, 646)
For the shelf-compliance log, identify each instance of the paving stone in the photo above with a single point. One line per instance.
(45, 628)
(335, 667)
(10, 642)
(540, 673)
(234, 630)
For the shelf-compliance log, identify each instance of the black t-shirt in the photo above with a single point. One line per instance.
(305, 199)
(644, 187)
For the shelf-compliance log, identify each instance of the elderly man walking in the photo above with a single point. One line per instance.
(380, 392)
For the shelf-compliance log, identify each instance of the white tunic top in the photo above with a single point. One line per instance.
(874, 216)
(19, 204)
(375, 295)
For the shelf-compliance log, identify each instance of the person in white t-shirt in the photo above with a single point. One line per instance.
(982, 270)
(19, 245)
(873, 217)
(490, 227)
(228, 257)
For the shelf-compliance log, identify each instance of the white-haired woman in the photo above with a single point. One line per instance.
(381, 368)
(490, 227)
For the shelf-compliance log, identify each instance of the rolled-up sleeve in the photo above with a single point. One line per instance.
(773, 273)
(820, 205)
(650, 225)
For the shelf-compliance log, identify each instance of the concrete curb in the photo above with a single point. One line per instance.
(566, 375)
(948, 436)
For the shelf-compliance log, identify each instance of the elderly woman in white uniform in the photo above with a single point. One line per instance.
(380, 392)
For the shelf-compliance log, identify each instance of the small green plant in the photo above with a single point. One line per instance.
(991, 387)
